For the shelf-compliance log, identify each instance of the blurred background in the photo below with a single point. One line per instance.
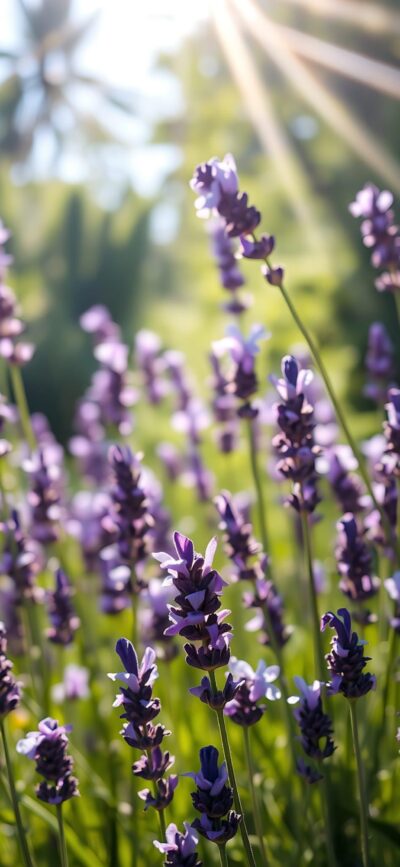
(106, 106)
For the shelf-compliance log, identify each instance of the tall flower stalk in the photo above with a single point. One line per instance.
(197, 616)
(346, 663)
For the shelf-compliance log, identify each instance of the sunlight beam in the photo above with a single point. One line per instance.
(335, 113)
(372, 73)
(258, 105)
(365, 16)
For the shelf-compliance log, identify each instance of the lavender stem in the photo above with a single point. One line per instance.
(361, 785)
(232, 779)
(262, 516)
(336, 405)
(22, 404)
(223, 856)
(318, 654)
(63, 846)
(18, 819)
(255, 801)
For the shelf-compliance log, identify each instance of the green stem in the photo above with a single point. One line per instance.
(262, 515)
(162, 823)
(22, 404)
(318, 653)
(338, 410)
(62, 843)
(326, 803)
(361, 785)
(18, 819)
(223, 856)
(254, 799)
(232, 779)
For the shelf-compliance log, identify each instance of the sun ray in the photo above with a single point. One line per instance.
(365, 16)
(345, 124)
(379, 76)
(258, 104)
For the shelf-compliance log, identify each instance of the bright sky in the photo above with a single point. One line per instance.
(121, 49)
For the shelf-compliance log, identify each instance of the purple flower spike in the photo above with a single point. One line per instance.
(346, 660)
(392, 586)
(10, 694)
(380, 234)
(243, 709)
(315, 725)
(213, 799)
(140, 709)
(379, 363)
(61, 613)
(180, 849)
(196, 615)
(48, 748)
(354, 561)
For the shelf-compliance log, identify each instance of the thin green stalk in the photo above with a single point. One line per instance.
(162, 823)
(277, 650)
(254, 799)
(22, 404)
(361, 785)
(338, 410)
(262, 513)
(232, 779)
(326, 804)
(14, 798)
(61, 834)
(134, 795)
(223, 856)
(318, 653)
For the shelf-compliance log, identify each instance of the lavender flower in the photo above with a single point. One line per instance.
(196, 615)
(346, 486)
(213, 799)
(10, 693)
(45, 495)
(218, 699)
(393, 588)
(48, 748)
(380, 234)
(230, 275)
(62, 615)
(129, 522)
(240, 544)
(11, 326)
(180, 849)
(378, 362)
(21, 560)
(140, 709)
(315, 725)
(346, 660)
(240, 355)
(355, 562)
(154, 619)
(243, 708)
(265, 596)
(151, 364)
(295, 443)
(391, 429)
(75, 684)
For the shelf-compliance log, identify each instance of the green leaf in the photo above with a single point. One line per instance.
(86, 856)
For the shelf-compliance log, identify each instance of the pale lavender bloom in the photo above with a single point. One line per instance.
(260, 681)
(75, 684)
(184, 845)
(213, 179)
(98, 322)
(151, 364)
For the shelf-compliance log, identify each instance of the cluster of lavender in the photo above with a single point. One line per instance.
(64, 621)
(379, 363)
(139, 711)
(294, 444)
(355, 565)
(315, 727)
(180, 849)
(189, 418)
(11, 326)
(229, 272)
(48, 748)
(44, 469)
(213, 799)
(250, 564)
(126, 523)
(346, 660)
(233, 361)
(380, 234)
(10, 693)
(244, 709)
(196, 614)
